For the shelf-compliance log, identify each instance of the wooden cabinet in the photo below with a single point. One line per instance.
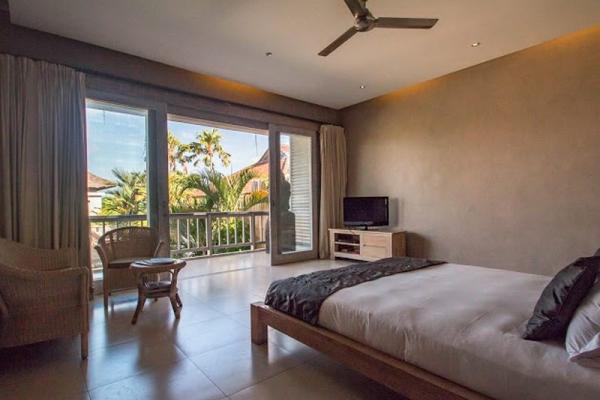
(366, 245)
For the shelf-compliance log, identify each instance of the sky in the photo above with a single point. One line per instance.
(118, 140)
(245, 148)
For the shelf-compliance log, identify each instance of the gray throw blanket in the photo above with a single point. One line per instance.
(302, 296)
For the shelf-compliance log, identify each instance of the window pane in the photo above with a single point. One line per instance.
(218, 187)
(295, 194)
(117, 156)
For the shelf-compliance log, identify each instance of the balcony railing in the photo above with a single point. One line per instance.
(195, 234)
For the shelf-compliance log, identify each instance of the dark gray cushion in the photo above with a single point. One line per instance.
(560, 298)
(597, 254)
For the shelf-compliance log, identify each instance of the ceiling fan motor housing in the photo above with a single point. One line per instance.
(364, 23)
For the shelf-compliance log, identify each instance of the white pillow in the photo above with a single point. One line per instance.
(583, 335)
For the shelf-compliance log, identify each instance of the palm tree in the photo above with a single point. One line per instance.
(129, 195)
(181, 199)
(226, 193)
(207, 147)
(176, 153)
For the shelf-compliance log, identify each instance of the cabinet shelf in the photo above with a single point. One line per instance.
(347, 243)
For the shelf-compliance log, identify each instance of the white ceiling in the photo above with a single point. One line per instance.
(229, 38)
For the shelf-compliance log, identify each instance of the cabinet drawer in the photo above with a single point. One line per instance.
(374, 252)
(374, 240)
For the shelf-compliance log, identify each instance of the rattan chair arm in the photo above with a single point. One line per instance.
(103, 255)
(44, 275)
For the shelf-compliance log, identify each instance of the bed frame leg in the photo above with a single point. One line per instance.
(258, 329)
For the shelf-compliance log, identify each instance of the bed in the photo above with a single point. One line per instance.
(444, 332)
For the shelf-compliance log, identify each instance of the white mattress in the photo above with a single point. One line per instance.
(462, 323)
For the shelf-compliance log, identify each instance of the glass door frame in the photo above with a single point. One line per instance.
(275, 132)
(209, 119)
(156, 164)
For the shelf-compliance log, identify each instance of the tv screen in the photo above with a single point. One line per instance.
(366, 211)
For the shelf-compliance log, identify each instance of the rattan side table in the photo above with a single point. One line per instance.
(154, 289)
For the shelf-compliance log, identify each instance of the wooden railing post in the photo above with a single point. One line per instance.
(187, 233)
(227, 226)
(252, 231)
(235, 234)
(208, 234)
(243, 229)
(178, 235)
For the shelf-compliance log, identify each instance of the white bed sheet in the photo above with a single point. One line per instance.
(462, 323)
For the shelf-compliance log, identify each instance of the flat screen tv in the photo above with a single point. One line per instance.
(366, 211)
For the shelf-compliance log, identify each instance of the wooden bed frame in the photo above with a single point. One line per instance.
(400, 376)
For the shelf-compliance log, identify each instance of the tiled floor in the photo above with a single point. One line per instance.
(207, 354)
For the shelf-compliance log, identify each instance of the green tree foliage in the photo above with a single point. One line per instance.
(129, 197)
(208, 190)
(180, 199)
(226, 193)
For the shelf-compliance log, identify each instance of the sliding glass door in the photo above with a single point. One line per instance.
(207, 187)
(218, 187)
(117, 153)
(293, 194)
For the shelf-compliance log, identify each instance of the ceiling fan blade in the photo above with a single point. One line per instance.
(357, 7)
(406, 23)
(338, 42)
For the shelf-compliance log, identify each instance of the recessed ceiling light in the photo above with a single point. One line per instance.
(268, 54)
(475, 44)
(362, 86)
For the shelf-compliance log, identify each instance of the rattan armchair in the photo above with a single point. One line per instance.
(121, 247)
(43, 295)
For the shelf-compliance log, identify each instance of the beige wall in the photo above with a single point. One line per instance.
(496, 165)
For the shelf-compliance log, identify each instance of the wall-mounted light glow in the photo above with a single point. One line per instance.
(268, 54)
(362, 86)
(475, 44)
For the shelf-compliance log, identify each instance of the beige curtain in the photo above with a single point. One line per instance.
(43, 168)
(333, 183)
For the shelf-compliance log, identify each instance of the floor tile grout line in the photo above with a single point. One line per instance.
(211, 349)
(301, 362)
(208, 377)
(138, 373)
(167, 336)
(205, 303)
(183, 278)
(133, 339)
(272, 376)
(223, 314)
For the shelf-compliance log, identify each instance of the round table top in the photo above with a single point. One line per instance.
(141, 265)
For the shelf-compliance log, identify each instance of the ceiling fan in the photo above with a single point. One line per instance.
(365, 21)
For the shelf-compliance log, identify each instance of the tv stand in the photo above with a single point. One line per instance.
(365, 245)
